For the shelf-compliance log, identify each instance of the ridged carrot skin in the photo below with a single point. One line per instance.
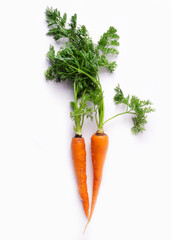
(99, 147)
(79, 162)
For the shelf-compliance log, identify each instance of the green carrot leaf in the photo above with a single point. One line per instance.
(134, 106)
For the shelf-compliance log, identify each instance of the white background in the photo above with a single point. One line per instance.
(38, 192)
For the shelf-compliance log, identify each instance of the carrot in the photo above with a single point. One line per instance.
(79, 162)
(99, 140)
(99, 147)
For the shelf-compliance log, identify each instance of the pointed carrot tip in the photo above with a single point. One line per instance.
(86, 227)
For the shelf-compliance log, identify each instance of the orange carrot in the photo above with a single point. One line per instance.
(99, 146)
(79, 162)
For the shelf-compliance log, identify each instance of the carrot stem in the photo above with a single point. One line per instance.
(119, 114)
(78, 127)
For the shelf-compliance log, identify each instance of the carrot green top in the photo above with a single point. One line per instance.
(79, 61)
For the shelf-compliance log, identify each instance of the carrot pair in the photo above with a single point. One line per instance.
(99, 146)
(99, 141)
(78, 62)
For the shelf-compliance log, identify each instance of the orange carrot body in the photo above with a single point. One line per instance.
(79, 162)
(99, 147)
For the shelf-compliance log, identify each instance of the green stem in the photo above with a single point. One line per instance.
(129, 112)
(75, 94)
(77, 120)
(101, 116)
(96, 116)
